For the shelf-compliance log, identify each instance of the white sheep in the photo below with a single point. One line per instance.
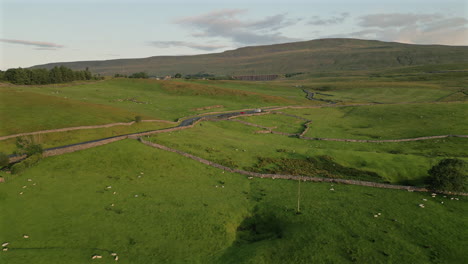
(5, 244)
(5, 249)
(116, 258)
(25, 236)
(113, 254)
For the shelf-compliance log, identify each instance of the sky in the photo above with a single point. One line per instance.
(36, 32)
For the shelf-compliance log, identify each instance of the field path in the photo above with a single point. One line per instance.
(80, 128)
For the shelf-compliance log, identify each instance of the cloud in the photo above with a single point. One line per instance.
(396, 19)
(414, 28)
(317, 21)
(168, 44)
(38, 44)
(227, 24)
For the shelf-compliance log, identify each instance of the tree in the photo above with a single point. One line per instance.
(448, 175)
(137, 119)
(4, 160)
(178, 75)
(27, 146)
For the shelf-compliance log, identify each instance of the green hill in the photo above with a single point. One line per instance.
(307, 56)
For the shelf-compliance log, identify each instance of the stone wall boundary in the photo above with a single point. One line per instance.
(292, 177)
(80, 128)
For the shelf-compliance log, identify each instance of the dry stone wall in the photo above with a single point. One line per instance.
(290, 177)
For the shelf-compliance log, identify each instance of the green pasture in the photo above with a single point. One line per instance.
(24, 111)
(57, 139)
(167, 209)
(237, 145)
(277, 122)
(385, 121)
(167, 100)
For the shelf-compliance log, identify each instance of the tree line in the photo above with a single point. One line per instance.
(60, 74)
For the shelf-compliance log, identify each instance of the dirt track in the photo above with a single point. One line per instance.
(80, 128)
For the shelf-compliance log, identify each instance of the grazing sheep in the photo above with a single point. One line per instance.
(116, 258)
(5, 244)
(332, 189)
(113, 254)
(21, 192)
(29, 180)
(376, 216)
(421, 205)
(425, 199)
(24, 187)
(5, 249)
(25, 236)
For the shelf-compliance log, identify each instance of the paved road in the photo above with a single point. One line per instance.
(185, 123)
(190, 121)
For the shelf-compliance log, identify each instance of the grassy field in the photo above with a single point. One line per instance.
(25, 111)
(152, 206)
(385, 121)
(277, 122)
(237, 145)
(163, 214)
(168, 100)
(56, 139)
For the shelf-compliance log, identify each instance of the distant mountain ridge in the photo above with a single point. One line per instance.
(307, 56)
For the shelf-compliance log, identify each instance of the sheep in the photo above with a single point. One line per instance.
(425, 199)
(113, 254)
(5, 249)
(332, 189)
(109, 187)
(24, 187)
(25, 236)
(421, 205)
(116, 258)
(5, 244)
(29, 180)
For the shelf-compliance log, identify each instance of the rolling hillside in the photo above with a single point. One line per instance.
(308, 56)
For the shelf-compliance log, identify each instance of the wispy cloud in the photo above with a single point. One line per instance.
(414, 28)
(226, 24)
(319, 21)
(38, 44)
(169, 44)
